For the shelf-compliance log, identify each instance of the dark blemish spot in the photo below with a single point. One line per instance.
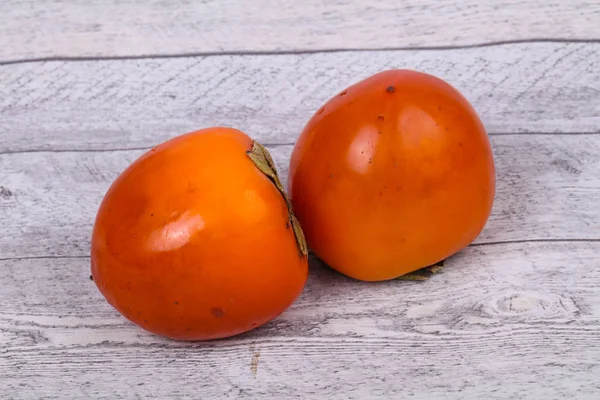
(370, 161)
(390, 89)
(188, 329)
(129, 283)
(254, 324)
(380, 193)
(217, 312)
(152, 215)
(287, 224)
(379, 132)
(362, 152)
(385, 187)
(5, 193)
(440, 108)
(139, 312)
(321, 111)
(343, 93)
(91, 278)
(176, 303)
(460, 144)
(331, 176)
(145, 321)
(380, 117)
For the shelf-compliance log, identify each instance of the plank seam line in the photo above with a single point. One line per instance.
(292, 52)
(518, 241)
(270, 145)
(575, 240)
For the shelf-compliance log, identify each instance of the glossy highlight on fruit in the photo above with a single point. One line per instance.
(195, 240)
(393, 174)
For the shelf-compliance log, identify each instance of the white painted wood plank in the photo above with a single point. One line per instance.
(113, 28)
(139, 103)
(501, 321)
(505, 320)
(547, 188)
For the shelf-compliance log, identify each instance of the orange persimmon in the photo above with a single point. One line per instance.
(195, 240)
(393, 174)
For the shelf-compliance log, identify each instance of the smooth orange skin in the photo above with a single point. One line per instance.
(392, 175)
(192, 241)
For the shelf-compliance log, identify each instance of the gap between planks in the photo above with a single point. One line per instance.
(292, 52)
(480, 244)
(269, 145)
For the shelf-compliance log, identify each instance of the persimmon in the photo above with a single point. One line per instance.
(195, 240)
(392, 175)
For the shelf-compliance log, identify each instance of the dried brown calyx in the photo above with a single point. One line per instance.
(263, 161)
(424, 273)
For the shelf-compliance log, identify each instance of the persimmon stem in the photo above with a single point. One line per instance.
(263, 161)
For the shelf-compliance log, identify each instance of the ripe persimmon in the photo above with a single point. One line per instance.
(195, 240)
(393, 174)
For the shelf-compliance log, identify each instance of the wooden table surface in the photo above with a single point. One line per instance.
(86, 88)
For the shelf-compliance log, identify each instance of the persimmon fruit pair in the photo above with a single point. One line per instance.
(197, 239)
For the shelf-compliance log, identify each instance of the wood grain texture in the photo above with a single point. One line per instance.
(547, 188)
(515, 315)
(501, 321)
(112, 28)
(139, 103)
